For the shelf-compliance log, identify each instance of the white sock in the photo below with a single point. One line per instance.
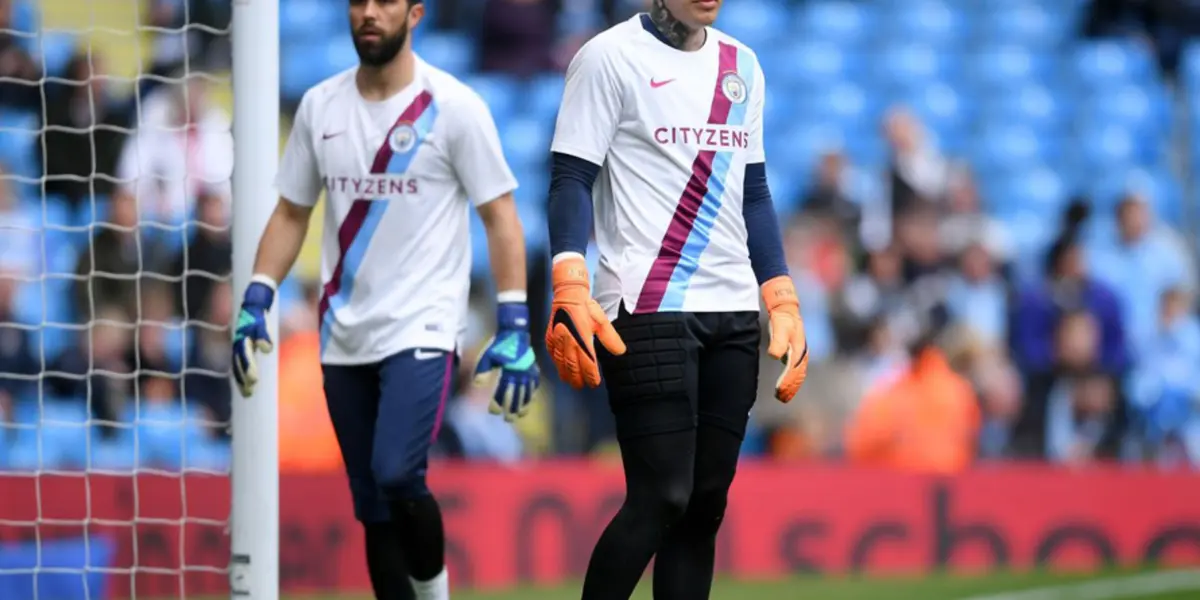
(437, 588)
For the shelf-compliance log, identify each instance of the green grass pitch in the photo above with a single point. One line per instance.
(1161, 585)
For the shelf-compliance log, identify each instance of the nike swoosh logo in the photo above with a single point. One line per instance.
(562, 318)
(425, 355)
(658, 84)
(331, 135)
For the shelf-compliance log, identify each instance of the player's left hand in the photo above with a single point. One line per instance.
(510, 353)
(788, 343)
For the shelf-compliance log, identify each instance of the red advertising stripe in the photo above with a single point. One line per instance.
(536, 524)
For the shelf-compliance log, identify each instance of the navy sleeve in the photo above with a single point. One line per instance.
(569, 214)
(763, 237)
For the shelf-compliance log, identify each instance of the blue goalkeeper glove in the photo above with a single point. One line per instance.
(250, 335)
(510, 353)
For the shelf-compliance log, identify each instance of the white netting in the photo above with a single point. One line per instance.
(114, 302)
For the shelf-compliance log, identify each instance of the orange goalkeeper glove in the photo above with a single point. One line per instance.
(575, 319)
(787, 341)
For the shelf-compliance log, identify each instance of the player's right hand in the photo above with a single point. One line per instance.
(575, 319)
(250, 335)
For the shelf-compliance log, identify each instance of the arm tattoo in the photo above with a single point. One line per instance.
(675, 31)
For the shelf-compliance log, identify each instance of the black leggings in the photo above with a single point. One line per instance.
(681, 396)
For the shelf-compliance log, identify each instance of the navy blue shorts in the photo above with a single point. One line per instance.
(386, 416)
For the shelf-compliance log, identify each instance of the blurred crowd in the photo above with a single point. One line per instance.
(938, 337)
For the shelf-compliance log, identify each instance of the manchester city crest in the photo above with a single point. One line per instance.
(733, 87)
(403, 138)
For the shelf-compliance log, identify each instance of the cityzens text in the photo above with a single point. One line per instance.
(708, 137)
(373, 186)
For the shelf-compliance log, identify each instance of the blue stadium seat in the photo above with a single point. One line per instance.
(1132, 106)
(543, 95)
(799, 147)
(843, 22)
(448, 51)
(927, 21)
(1109, 63)
(1104, 147)
(498, 91)
(757, 21)
(1031, 104)
(1028, 24)
(63, 433)
(785, 188)
(526, 141)
(25, 17)
(807, 63)
(54, 50)
(1038, 190)
(163, 429)
(306, 21)
(117, 455)
(1190, 67)
(207, 455)
(912, 64)
(998, 68)
(869, 151)
(18, 136)
(480, 265)
(941, 108)
(1005, 146)
(842, 102)
(1032, 233)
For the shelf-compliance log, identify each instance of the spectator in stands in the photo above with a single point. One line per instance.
(156, 327)
(480, 435)
(207, 258)
(927, 420)
(171, 35)
(85, 131)
(1080, 418)
(918, 174)
(977, 296)
(18, 362)
(110, 268)
(206, 370)
(517, 37)
(879, 291)
(1147, 260)
(20, 234)
(183, 149)
(965, 223)
(1054, 406)
(1067, 287)
(19, 74)
(830, 198)
(883, 358)
(1165, 385)
(1000, 399)
(96, 370)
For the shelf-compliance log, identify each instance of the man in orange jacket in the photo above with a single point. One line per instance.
(927, 420)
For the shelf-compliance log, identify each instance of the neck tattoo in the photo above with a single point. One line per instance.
(673, 29)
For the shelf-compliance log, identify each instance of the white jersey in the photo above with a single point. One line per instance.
(397, 174)
(673, 131)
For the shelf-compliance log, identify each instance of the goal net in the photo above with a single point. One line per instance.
(117, 156)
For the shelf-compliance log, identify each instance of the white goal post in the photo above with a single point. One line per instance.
(254, 567)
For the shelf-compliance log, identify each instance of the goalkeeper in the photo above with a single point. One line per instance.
(398, 146)
(659, 139)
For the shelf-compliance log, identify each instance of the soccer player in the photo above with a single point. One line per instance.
(660, 134)
(398, 147)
